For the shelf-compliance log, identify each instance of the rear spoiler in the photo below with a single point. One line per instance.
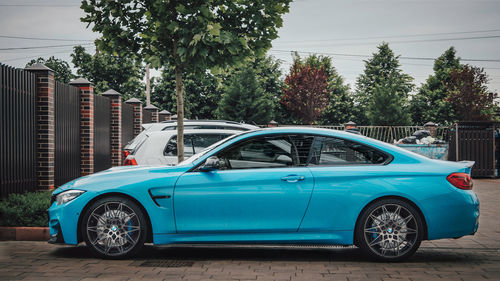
(467, 165)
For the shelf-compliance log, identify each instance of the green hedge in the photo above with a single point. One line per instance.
(27, 209)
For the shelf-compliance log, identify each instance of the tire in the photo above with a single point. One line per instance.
(114, 228)
(390, 230)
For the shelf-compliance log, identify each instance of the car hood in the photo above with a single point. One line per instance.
(123, 176)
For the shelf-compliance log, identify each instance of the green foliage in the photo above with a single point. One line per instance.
(202, 94)
(122, 74)
(430, 103)
(245, 99)
(62, 70)
(196, 35)
(386, 107)
(382, 70)
(469, 95)
(27, 209)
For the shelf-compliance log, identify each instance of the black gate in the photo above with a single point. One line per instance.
(146, 116)
(102, 133)
(475, 141)
(127, 123)
(67, 133)
(18, 130)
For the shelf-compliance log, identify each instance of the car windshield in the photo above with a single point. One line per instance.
(210, 148)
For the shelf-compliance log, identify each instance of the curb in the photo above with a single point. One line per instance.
(21, 233)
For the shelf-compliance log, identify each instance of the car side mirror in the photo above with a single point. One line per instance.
(211, 163)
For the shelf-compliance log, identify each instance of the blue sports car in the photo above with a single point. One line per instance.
(281, 185)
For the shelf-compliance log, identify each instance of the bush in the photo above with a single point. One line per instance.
(27, 209)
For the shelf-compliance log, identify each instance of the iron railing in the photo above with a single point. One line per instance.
(18, 131)
(67, 133)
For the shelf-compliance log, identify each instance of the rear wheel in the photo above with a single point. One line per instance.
(390, 230)
(114, 227)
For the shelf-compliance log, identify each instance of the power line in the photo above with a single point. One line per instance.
(368, 56)
(394, 36)
(410, 41)
(42, 39)
(41, 47)
(39, 55)
(38, 5)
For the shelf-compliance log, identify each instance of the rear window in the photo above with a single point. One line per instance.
(193, 143)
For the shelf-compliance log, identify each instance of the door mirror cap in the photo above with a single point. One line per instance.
(211, 163)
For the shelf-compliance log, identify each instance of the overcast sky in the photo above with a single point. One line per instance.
(416, 29)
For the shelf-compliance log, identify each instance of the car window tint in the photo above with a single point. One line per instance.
(266, 152)
(302, 145)
(171, 147)
(193, 143)
(335, 151)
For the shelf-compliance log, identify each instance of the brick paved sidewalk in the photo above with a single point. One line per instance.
(469, 258)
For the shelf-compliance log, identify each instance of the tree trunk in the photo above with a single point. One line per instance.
(179, 90)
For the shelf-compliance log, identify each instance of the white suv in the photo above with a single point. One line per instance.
(160, 147)
(188, 125)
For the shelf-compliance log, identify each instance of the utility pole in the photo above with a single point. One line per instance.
(148, 87)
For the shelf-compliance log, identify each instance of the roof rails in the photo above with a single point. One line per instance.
(204, 120)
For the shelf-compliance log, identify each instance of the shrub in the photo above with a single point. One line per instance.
(27, 209)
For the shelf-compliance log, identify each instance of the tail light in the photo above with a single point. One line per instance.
(129, 162)
(126, 153)
(460, 180)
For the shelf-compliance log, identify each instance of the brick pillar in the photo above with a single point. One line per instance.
(154, 112)
(86, 125)
(137, 105)
(116, 126)
(164, 115)
(46, 124)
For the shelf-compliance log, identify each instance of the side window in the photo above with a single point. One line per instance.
(302, 147)
(192, 143)
(171, 147)
(334, 151)
(265, 152)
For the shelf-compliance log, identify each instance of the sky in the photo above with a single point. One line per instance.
(347, 30)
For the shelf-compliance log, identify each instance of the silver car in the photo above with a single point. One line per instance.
(188, 125)
(160, 147)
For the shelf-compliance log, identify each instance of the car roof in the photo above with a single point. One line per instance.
(163, 124)
(192, 132)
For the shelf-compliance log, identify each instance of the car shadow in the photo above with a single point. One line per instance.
(249, 253)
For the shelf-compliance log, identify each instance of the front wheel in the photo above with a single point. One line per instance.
(114, 227)
(390, 230)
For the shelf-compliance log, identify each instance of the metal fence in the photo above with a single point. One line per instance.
(127, 123)
(67, 133)
(476, 142)
(102, 133)
(18, 131)
(146, 116)
(383, 133)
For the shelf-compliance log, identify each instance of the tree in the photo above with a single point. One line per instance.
(430, 103)
(202, 93)
(191, 36)
(305, 93)
(62, 70)
(106, 71)
(468, 94)
(382, 70)
(244, 99)
(340, 107)
(387, 107)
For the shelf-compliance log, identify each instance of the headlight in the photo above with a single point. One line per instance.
(67, 196)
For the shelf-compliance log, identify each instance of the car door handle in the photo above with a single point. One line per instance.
(293, 178)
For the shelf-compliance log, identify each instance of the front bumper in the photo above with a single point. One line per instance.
(63, 219)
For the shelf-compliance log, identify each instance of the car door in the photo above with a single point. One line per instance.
(343, 170)
(260, 187)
